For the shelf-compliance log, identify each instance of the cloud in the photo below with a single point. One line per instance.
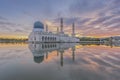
(84, 6)
(6, 23)
(9, 27)
(116, 2)
(113, 21)
(2, 18)
(100, 20)
(91, 17)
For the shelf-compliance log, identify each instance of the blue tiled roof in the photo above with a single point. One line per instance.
(38, 24)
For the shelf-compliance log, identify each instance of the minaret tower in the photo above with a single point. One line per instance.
(73, 53)
(57, 30)
(73, 29)
(61, 25)
(46, 28)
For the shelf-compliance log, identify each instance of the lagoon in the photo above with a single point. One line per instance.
(59, 61)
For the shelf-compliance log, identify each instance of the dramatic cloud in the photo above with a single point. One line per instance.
(8, 27)
(91, 17)
(85, 6)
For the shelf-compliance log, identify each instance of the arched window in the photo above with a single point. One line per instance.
(42, 46)
(48, 45)
(45, 38)
(45, 46)
(55, 38)
(42, 38)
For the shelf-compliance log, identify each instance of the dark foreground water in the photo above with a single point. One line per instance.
(59, 62)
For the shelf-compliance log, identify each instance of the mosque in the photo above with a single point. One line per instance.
(39, 35)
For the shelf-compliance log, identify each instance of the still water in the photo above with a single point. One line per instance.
(58, 61)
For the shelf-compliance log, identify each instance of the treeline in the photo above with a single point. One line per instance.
(89, 39)
(8, 40)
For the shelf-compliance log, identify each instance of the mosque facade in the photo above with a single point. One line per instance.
(39, 35)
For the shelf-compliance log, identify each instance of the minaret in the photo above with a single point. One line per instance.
(73, 29)
(61, 25)
(57, 30)
(73, 53)
(61, 58)
(46, 28)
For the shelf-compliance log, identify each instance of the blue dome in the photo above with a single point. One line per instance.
(38, 24)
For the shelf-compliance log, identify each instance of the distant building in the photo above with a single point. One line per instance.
(116, 38)
(113, 41)
(39, 35)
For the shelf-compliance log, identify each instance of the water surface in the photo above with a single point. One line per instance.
(59, 62)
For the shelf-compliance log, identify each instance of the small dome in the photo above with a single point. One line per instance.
(38, 24)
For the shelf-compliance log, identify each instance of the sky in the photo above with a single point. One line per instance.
(96, 18)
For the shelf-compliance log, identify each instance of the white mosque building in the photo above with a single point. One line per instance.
(39, 35)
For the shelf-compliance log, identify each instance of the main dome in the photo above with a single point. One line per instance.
(38, 24)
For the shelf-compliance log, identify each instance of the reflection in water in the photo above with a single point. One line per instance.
(60, 61)
(111, 44)
(41, 50)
